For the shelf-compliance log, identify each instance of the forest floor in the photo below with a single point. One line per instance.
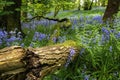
(77, 13)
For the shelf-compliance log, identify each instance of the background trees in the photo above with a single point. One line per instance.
(112, 9)
(13, 12)
(10, 17)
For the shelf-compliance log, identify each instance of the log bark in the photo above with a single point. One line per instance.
(34, 63)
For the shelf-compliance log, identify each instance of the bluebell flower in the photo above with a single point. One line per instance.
(62, 38)
(104, 30)
(105, 35)
(110, 49)
(3, 34)
(82, 51)
(22, 45)
(8, 44)
(36, 36)
(81, 19)
(12, 33)
(31, 45)
(98, 19)
(89, 22)
(25, 25)
(86, 77)
(74, 21)
(112, 31)
(118, 35)
(72, 52)
(41, 36)
(11, 39)
(0, 41)
(54, 39)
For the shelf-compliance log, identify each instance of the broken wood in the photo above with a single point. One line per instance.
(35, 63)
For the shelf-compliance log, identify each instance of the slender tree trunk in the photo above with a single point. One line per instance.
(79, 5)
(12, 21)
(95, 2)
(111, 10)
(90, 7)
(103, 3)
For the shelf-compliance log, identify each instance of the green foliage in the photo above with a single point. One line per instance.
(4, 3)
(99, 59)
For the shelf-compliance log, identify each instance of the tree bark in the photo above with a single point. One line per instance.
(34, 63)
(90, 7)
(111, 10)
(79, 5)
(12, 21)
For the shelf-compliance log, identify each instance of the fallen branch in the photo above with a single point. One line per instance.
(53, 19)
(34, 63)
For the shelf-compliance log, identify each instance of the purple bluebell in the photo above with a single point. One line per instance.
(118, 35)
(62, 38)
(89, 21)
(7, 44)
(105, 31)
(86, 77)
(82, 51)
(22, 45)
(81, 19)
(11, 39)
(31, 45)
(112, 31)
(54, 39)
(98, 19)
(105, 35)
(72, 52)
(3, 34)
(0, 41)
(36, 35)
(111, 48)
(74, 21)
(41, 36)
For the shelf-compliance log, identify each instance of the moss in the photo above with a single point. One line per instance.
(70, 43)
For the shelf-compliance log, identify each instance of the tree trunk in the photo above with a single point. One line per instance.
(79, 5)
(103, 3)
(111, 10)
(12, 21)
(86, 5)
(17, 63)
(90, 7)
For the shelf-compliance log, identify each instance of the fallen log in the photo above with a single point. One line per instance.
(17, 63)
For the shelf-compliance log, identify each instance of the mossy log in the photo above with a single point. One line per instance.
(17, 63)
